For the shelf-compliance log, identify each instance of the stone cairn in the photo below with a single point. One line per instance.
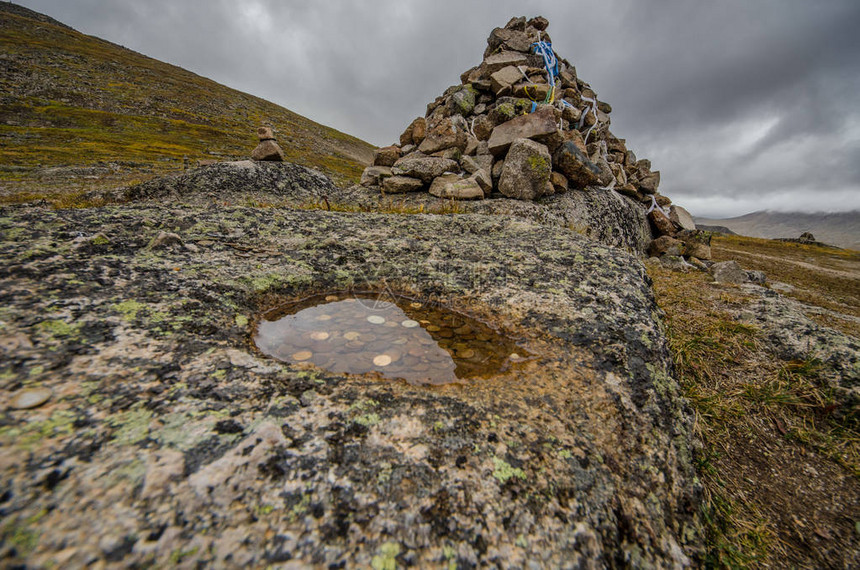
(520, 125)
(268, 149)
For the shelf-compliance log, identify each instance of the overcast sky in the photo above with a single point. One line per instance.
(742, 105)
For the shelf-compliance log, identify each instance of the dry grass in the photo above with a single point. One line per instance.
(766, 424)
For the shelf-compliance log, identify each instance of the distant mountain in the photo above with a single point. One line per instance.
(841, 229)
(91, 106)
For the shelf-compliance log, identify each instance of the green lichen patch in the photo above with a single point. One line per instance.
(504, 472)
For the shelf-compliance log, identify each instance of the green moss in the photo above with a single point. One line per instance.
(57, 327)
(367, 420)
(129, 309)
(131, 426)
(539, 166)
(386, 559)
(503, 472)
(241, 321)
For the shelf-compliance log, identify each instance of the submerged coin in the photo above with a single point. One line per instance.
(303, 355)
(351, 335)
(409, 324)
(382, 360)
(33, 398)
(375, 319)
(319, 335)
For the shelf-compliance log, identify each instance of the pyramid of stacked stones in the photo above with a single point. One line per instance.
(520, 125)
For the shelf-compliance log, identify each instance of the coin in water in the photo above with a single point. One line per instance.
(303, 355)
(382, 360)
(375, 319)
(415, 305)
(319, 335)
(468, 353)
(409, 324)
(351, 335)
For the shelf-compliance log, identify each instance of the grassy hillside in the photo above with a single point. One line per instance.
(72, 100)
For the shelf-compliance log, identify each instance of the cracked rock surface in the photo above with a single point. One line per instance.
(168, 440)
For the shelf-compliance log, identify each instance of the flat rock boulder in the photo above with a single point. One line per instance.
(502, 60)
(401, 184)
(533, 125)
(386, 156)
(527, 169)
(441, 136)
(374, 175)
(425, 168)
(238, 181)
(682, 218)
(729, 272)
(169, 433)
(268, 150)
(456, 187)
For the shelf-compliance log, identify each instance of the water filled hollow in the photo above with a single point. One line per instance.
(394, 336)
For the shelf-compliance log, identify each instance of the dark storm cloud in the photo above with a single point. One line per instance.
(741, 105)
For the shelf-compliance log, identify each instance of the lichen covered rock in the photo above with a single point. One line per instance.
(169, 439)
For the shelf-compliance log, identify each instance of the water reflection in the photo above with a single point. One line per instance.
(398, 338)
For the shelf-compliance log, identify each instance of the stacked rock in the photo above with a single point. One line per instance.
(521, 124)
(268, 149)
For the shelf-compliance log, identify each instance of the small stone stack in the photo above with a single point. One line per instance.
(506, 130)
(268, 149)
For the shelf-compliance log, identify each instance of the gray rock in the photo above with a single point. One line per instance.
(414, 133)
(441, 135)
(682, 217)
(540, 123)
(576, 166)
(401, 184)
(369, 467)
(386, 156)
(31, 398)
(425, 168)
(729, 272)
(697, 249)
(527, 169)
(463, 101)
(649, 183)
(227, 181)
(502, 60)
(483, 179)
(503, 80)
(513, 40)
(268, 150)
(456, 187)
(675, 263)
(373, 175)
(793, 336)
(666, 245)
(757, 277)
(165, 239)
(265, 134)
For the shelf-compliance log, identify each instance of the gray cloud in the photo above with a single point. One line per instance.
(741, 105)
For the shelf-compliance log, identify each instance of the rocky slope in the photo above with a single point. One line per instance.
(78, 108)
